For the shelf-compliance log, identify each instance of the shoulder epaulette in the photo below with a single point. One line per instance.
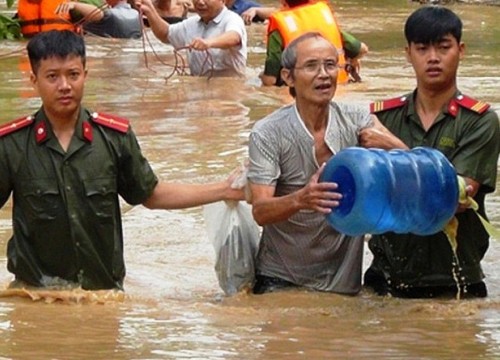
(472, 104)
(111, 121)
(383, 105)
(15, 125)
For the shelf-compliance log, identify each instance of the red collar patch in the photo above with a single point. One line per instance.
(40, 132)
(87, 131)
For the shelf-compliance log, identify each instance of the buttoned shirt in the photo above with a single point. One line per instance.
(470, 141)
(67, 227)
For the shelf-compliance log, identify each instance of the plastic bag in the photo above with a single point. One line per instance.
(235, 237)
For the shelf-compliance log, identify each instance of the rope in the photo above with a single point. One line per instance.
(179, 67)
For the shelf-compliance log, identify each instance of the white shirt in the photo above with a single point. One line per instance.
(220, 60)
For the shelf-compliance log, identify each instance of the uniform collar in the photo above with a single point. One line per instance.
(43, 128)
(450, 109)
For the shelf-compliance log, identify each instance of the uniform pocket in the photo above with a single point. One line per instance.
(42, 198)
(102, 196)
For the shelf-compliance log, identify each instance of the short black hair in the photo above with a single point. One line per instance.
(430, 24)
(55, 43)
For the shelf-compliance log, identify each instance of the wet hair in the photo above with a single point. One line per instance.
(289, 55)
(295, 3)
(430, 24)
(54, 43)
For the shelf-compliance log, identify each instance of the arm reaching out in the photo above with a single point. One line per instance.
(158, 25)
(378, 136)
(181, 196)
(224, 41)
(88, 11)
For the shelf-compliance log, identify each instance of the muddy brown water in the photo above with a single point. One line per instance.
(194, 130)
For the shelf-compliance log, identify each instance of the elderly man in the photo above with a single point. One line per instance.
(216, 29)
(287, 149)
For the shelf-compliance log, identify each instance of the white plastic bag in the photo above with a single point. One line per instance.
(235, 237)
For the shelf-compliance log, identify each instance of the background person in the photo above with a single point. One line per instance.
(66, 167)
(215, 29)
(437, 115)
(250, 11)
(298, 17)
(118, 20)
(173, 11)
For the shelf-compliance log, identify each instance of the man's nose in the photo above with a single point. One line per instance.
(64, 83)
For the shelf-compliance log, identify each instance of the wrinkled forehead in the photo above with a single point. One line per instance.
(316, 47)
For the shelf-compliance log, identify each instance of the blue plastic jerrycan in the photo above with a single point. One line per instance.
(403, 191)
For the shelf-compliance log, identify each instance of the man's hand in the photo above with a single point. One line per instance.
(65, 7)
(146, 6)
(249, 15)
(200, 44)
(319, 196)
(378, 136)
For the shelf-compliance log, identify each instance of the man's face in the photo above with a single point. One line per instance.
(315, 73)
(208, 9)
(60, 82)
(436, 64)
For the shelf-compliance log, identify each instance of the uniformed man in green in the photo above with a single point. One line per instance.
(65, 168)
(436, 115)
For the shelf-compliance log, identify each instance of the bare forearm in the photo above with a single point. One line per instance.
(180, 196)
(88, 11)
(158, 25)
(267, 80)
(378, 136)
(276, 209)
(225, 41)
(265, 12)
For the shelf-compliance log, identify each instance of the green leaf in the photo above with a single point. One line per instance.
(10, 28)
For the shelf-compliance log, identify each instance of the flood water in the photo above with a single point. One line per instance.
(194, 130)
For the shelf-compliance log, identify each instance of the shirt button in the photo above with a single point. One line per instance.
(68, 188)
(77, 244)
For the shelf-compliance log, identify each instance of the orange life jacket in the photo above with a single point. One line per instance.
(317, 17)
(39, 15)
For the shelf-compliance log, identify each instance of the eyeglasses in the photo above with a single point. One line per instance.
(314, 66)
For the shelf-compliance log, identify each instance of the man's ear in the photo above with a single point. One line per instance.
(287, 77)
(461, 48)
(33, 78)
(407, 53)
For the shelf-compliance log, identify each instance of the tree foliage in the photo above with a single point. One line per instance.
(9, 27)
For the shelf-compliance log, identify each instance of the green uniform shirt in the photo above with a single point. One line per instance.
(67, 226)
(471, 142)
(272, 66)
